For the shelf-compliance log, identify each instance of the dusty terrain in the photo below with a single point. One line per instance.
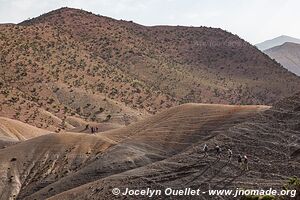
(164, 150)
(13, 131)
(270, 139)
(19, 131)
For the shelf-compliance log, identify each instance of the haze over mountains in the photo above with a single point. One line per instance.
(288, 55)
(89, 103)
(285, 50)
(276, 42)
(121, 71)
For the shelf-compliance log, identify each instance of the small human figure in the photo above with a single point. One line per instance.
(229, 154)
(246, 163)
(240, 160)
(205, 149)
(218, 151)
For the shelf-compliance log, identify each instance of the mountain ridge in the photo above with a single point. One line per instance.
(121, 71)
(287, 54)
(276, 42)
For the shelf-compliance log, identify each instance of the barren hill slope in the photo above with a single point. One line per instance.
(270, 140)
(64, 161)
(19, 131)
(124, 70)
(13, 131)
(288, 55)
(34, 163)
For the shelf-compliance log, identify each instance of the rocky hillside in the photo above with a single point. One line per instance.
(68, 67)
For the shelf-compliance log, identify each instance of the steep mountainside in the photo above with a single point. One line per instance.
(70, 66)
(276, 42)
(288, 55)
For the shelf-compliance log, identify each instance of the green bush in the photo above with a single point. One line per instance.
(249, 197)
(266, 197)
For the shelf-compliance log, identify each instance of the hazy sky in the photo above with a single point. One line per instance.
(253, 20)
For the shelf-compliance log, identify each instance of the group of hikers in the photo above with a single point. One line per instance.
(92, 129)
(242, 160)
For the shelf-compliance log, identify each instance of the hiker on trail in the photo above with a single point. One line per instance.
(205, 149)
(240, 160)
(246, 163)
(92, 129)
(218, 151)
(229, 154)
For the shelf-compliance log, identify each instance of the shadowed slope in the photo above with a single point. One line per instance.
(270, 140)
(149, 141)
(35, 163)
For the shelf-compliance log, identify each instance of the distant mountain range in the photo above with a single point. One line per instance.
(287, 54)
(276, 42)
(285, 50)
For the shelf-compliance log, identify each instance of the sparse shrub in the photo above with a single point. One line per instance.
(292, 184)
(108, 117)
(256, 197)
(267, 197)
